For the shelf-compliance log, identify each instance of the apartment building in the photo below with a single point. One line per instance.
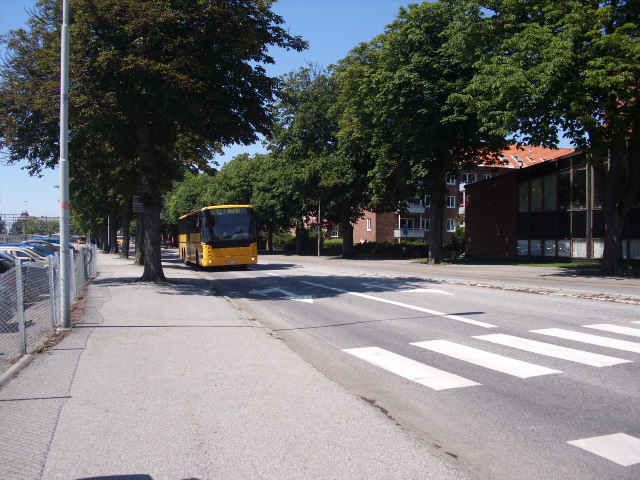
(414, 223)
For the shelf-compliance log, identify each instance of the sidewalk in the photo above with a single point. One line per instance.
(171, 382)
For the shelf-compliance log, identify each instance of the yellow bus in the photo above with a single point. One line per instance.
(220, 235)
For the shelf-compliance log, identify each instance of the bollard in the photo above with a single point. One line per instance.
(22, 331)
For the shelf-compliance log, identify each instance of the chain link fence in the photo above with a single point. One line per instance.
(30, 302)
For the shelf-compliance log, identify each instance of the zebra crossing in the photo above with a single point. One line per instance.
(619, 448)
(441, 380)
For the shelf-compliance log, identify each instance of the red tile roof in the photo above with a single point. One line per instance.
(526, 156)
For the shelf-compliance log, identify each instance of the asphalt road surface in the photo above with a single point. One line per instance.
(510, 384)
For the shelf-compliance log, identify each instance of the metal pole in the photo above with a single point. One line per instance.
(65, 253)
(319, 226)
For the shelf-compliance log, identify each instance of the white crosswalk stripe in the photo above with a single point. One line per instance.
(556, 351)
(488, 360)
(634, 332)
(591, 339)
(410, 369)
(618, 447)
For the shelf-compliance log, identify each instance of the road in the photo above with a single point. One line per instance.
(509, 384)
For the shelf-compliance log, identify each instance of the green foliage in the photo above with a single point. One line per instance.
(393, 250)
(155, 86)
(400, 110)
(545, 66)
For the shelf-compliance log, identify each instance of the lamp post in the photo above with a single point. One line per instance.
(65, 253)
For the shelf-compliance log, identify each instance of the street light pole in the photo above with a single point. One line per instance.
(65, 253)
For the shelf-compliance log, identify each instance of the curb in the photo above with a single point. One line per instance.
(10, 374)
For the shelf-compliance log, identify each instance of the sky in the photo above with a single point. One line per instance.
(332, 28)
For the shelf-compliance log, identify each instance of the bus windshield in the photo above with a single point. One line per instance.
(228, 224)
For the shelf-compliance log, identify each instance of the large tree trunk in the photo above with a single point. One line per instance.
(126, 221)
(438, 194)
(104, 237)
(347, 235)
(621, 189)
(152, 201)
(139, 260)
(299, 239)
(113, 233)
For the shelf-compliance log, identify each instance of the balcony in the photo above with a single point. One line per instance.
(415, 208)
(412, 234)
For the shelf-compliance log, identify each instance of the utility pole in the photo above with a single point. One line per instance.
(65, 253)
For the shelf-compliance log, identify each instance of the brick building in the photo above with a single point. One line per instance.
(415, 223)
(548, 210)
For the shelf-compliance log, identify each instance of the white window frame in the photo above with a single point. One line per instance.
(451, 179)
(368, 224)
(487, 176)
(335, 232)
(468, 178)
(427, 201)
(451, 201)
(451, 224)
(425, 224)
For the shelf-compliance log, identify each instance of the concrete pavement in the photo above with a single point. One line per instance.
(170, 382)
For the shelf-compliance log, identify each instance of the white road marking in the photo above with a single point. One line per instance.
(288, 295)
(634, 332)
(405, 305)
(408, 290)
(556, 351)
(410, 369)
(273, 274)
(618, 447)
(489, 360)
(591, 339)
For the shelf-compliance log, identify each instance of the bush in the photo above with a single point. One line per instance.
(393, 250)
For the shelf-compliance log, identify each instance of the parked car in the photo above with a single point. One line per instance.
(44, 249)
(24, 252)
(52, 240)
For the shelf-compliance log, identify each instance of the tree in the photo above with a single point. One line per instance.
(262, 182)
(305, 140)
(401, 110)
(572, 66)
(167, 83)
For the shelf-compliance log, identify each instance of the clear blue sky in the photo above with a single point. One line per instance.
(332, 27)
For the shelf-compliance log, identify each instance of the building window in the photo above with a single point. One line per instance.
(536, 196)
(334, 232)
(427, 201)
(451, 178)
(406, 221)
(550, 193)
(368, 224)
(523, 197)
(451, 201)
(451, 225)
(468, 177)
(531, 159)
(523, 247)
(487, 176)
(425, 224)
(579, 188)
(518, 159)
